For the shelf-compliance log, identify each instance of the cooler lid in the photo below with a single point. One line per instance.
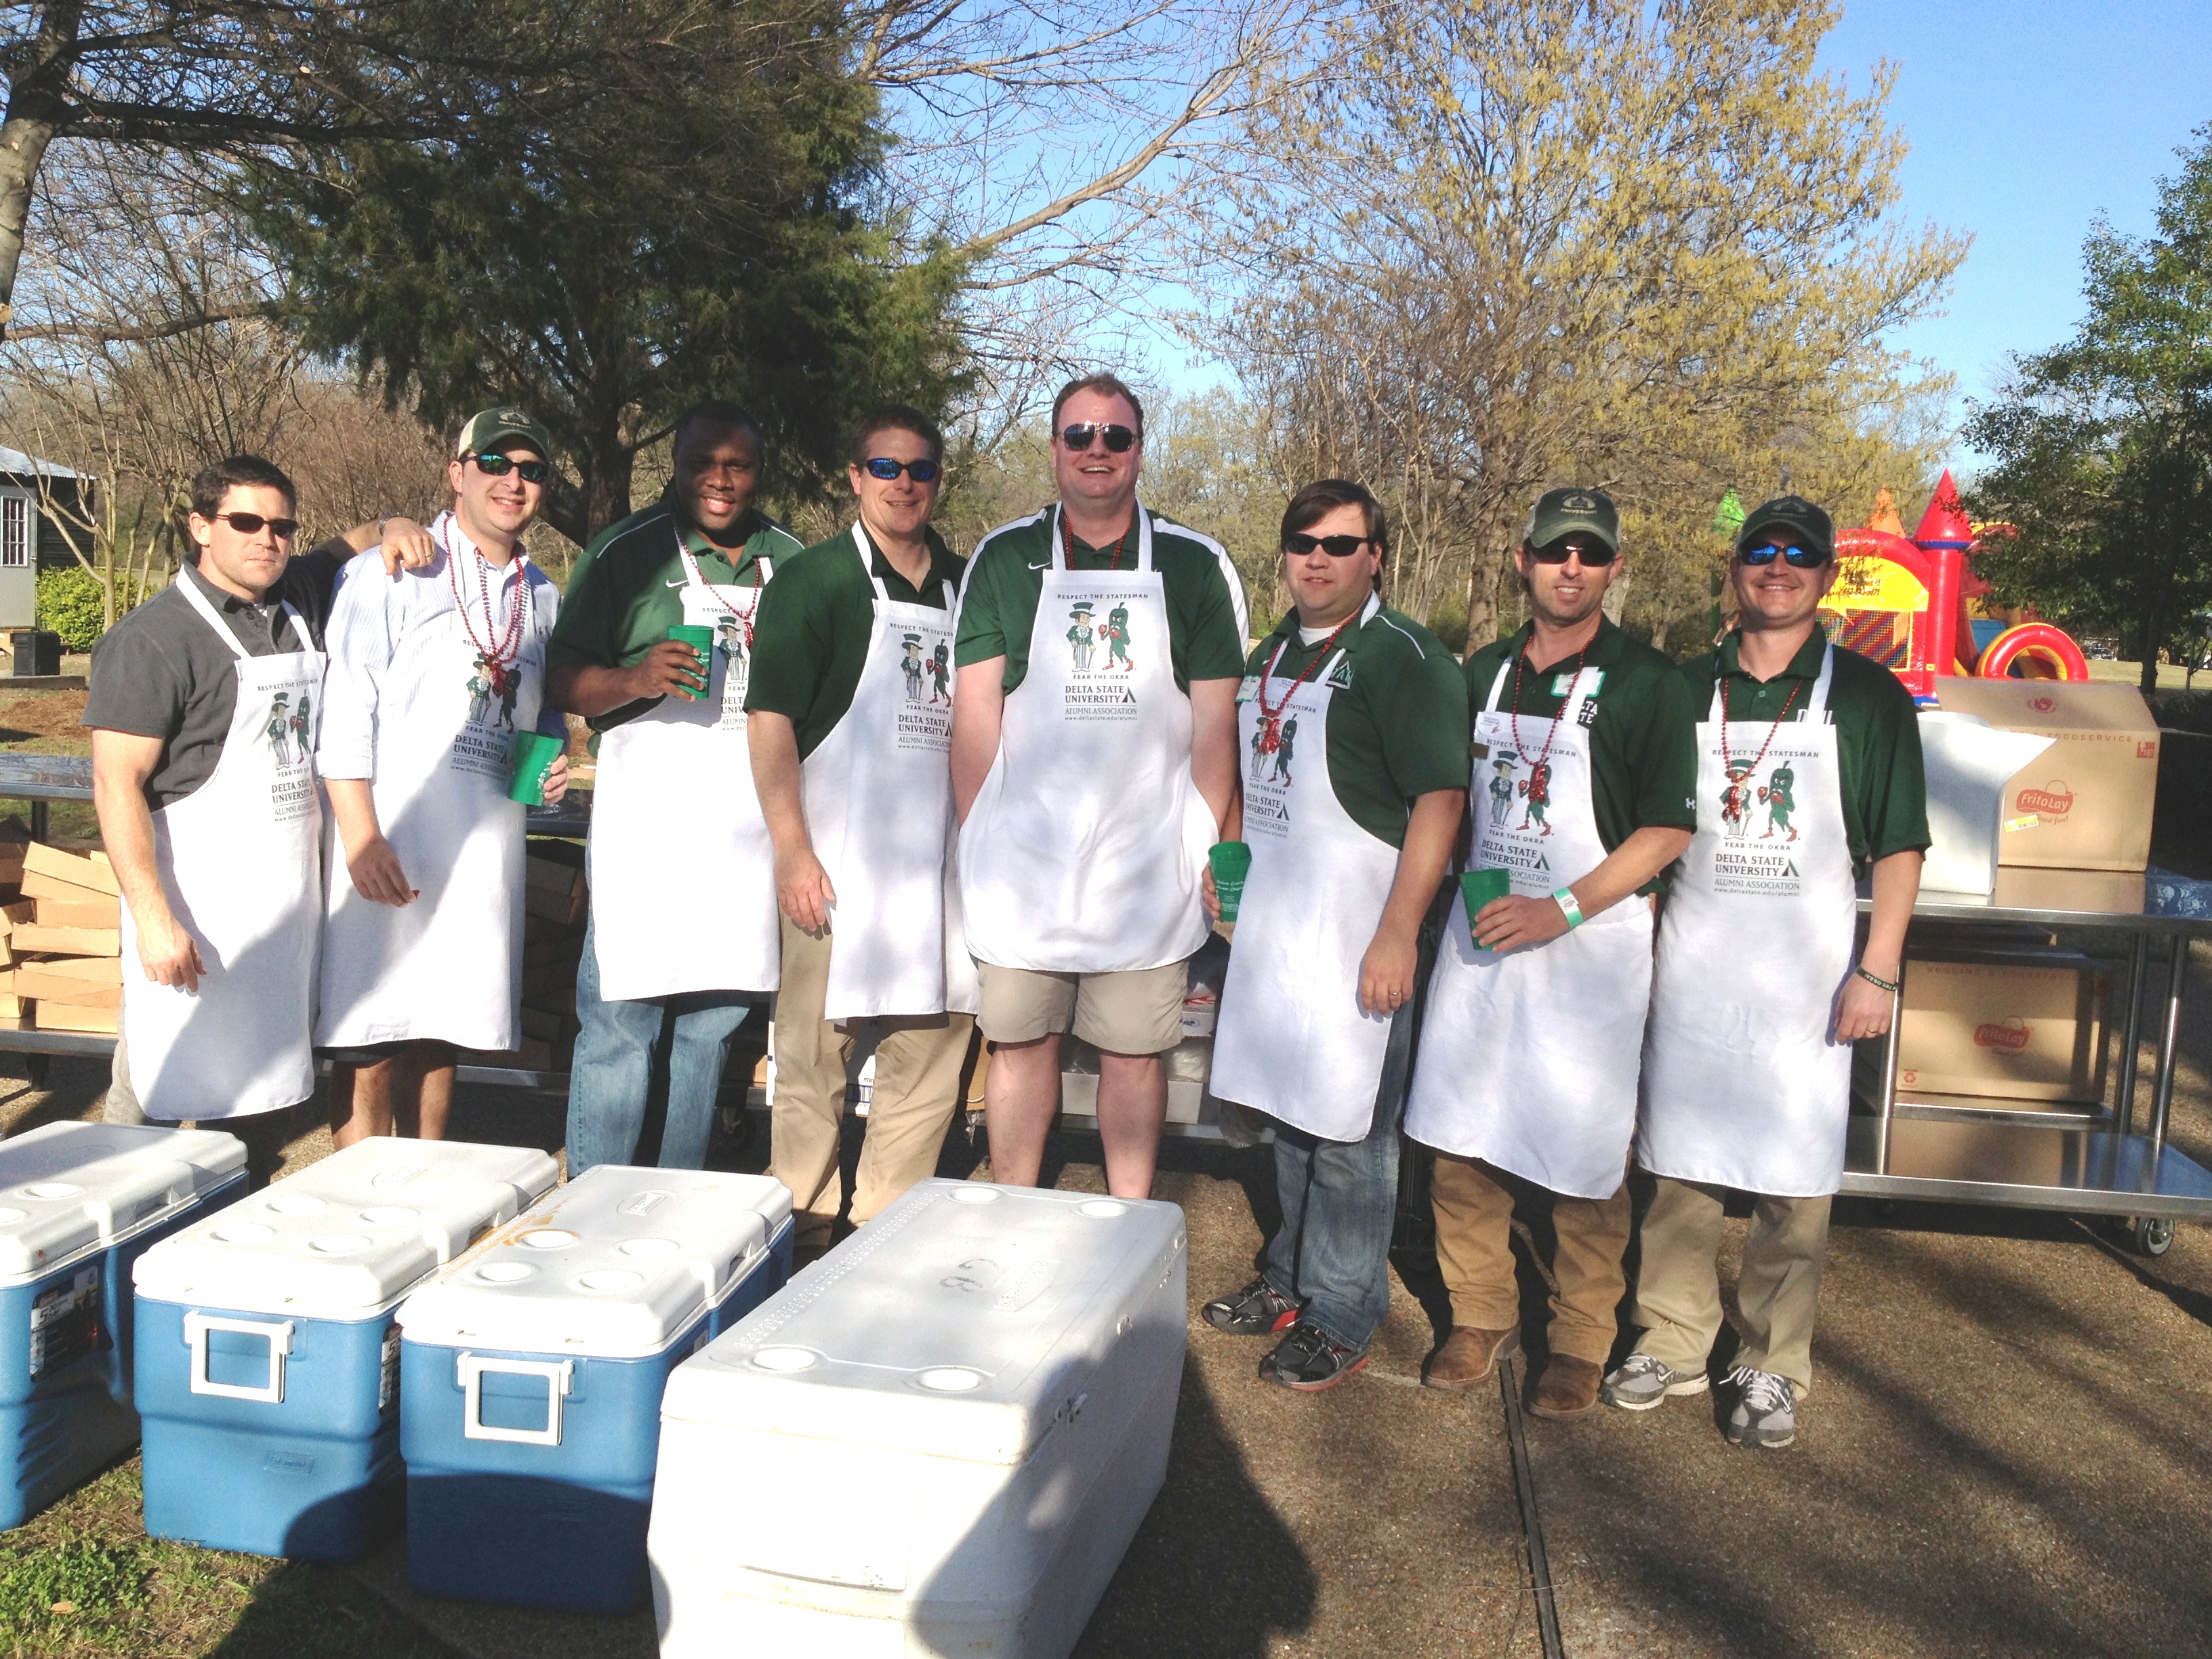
(612, 1266)
(347, 1236)
(66, 1188)
(957, 1322)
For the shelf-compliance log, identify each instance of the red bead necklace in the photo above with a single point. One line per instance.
(743, 618)
(1121, 544)
(1728, 762)
(499, 656)
(1552, 732)
(1271, 720)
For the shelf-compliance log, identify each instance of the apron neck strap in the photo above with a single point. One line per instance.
(222, 630)
(1140, 521)
(868, 562)
(1505, 669)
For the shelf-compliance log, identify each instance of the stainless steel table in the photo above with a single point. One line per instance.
(2095, 1161)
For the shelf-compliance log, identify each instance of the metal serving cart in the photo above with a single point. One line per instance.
(2095, 1158)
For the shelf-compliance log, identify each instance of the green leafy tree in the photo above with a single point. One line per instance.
(2103, 446)
(701, 220)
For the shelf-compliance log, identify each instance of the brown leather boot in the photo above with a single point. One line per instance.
(1468, 1356)
(1568, 1388)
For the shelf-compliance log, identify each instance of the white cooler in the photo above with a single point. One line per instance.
(939, 1439)
(532, 1372)
(268, 1364)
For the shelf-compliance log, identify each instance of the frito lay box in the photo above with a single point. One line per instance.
(2084, 803)
(2026, 1032)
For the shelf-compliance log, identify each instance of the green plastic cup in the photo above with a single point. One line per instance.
(701, 640)
(534, 755)
(1232, 862)
(1478, 887)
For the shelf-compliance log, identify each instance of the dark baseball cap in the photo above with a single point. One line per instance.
(493, 425)
(1574, 512)
(1811, 525)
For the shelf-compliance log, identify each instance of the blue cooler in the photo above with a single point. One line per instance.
(532, 1372)
(268, 1363)
(78, 1203)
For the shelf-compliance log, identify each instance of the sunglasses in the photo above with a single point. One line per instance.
(1118, 438)
(253, 524)
(1595, 557)
(881, 467)
(1797, 558)
(1337, 547)
(495, 466)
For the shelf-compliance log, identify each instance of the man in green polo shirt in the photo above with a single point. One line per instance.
(1090, 784)
(1534, 1029)
(849, 757)
(1316, 1024)
(683, 918)
(1761, 985)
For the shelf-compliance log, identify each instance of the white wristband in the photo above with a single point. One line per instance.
(1565, 898)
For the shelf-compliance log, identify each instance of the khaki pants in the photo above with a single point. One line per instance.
(917, 1085)
(1474, 1249)
(1678, 1291)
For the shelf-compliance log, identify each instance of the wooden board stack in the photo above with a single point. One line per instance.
(61, 940)
(554, 904)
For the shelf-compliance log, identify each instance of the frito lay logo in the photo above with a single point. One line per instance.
(2054, 802)
(2041, 705)
(2011, 1033)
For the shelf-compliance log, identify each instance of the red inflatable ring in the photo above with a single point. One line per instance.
(2038, 640)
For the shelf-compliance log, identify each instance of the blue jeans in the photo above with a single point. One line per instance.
(612, 1074)
(1340, 1198)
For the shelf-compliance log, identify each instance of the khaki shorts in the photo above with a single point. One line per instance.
(1137, 1011)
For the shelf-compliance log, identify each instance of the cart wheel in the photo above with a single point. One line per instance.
(2150, 1234)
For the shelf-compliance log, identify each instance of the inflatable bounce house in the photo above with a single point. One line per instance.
(1917, 606)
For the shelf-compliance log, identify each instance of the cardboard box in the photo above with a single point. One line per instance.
(68, 941)
(90, 970)
(39, 979)
(2013, 1031)
(74, 869)
(2086, 802)
(74, 1016)
(78, 913)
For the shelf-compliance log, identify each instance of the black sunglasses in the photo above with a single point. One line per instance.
(1797, 558)
(1118, 438)
(493, 465)
(251, 524)
(881, 467)
(1337, 547)
(1594, 556)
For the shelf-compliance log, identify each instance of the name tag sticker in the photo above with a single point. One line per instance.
(1562, 684)
(1249, 688)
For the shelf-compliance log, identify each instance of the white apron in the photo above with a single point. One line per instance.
(1083, 852)
(1292, 1041)
(1529, 1057)
(1743, 1086)
(682, 870)
(448, 967)
(879, 796)
(240, 860)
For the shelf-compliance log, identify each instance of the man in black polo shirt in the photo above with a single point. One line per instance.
(1534, 1030)
(849, 757)
(213, 828)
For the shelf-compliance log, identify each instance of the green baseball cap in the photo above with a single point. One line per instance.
(488, 427)
(1811, 525)
(1573, 512)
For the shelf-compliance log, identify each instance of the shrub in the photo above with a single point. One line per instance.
(69, 604)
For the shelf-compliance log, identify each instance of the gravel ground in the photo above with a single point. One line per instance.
(2006, 1454)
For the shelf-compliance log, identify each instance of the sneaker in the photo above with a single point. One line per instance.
(1766, 1414)
(1639, 1383)
(1309, 1359)
(1255, 1310)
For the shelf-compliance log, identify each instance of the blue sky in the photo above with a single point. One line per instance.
(2025, 120)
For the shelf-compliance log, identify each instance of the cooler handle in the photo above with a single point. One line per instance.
(557, 1373)
(279, 1333)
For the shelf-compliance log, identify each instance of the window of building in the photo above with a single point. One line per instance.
(15, 529)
